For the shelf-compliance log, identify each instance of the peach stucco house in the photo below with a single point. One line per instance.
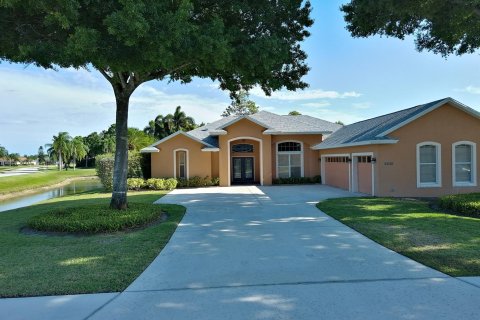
(424, 151)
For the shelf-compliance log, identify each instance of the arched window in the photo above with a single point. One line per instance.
(429, 165)
(464, 163)
(289, 159)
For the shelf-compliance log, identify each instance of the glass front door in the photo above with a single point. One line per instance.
(242, 170)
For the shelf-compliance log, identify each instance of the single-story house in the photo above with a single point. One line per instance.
(424, 151)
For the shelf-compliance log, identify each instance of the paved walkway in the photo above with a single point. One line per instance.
(268, 253)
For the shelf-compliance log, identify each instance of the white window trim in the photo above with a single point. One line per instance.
(439, 165)
(302, 165)
(473, 183)
(187, 162)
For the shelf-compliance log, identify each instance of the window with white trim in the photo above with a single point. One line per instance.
(428, 164)
(182, 164)
(289, 160)
(464, 163)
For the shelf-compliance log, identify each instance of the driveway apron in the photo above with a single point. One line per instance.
(268, 253)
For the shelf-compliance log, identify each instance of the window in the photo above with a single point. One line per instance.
(337, 159)
(242, 147)
(289, 160)
(181, 163)
(428, 165)
(464, 163)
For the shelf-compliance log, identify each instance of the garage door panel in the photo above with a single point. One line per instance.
(337, 174)
(364, 177)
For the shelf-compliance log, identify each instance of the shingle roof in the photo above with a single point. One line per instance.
(274, 123)
(376, 130)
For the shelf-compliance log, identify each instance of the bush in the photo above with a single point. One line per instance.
(156, 184)
(299, 180)
(135, 183)
(95, 218)
(464, 204)
(197, 182)
(104, 168)
(134, 165)
(170, 184)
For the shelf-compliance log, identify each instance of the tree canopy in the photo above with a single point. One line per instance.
(241, 105)
(443, 27)
(240, 44)
(163, 126)
(294, 113)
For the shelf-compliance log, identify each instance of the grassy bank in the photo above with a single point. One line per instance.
(446, 242)
(39, 264)
(41, 179)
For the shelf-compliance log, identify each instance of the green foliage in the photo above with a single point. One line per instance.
(463, 204)
(104, 168)
(155, 184)
(135, 183)
(444, 27)
(170, 184)
(300, 180)
(197, 182)
(138, 139)
(95, 218)
(164, 126)
(135, 165)
(294, 113)
(241, 106)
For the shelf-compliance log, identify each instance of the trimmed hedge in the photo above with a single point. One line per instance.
(104, 166)
(95, 218)
(301, 180)
(171, 183)
(464, 204)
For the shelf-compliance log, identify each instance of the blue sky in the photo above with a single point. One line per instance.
(350, 80)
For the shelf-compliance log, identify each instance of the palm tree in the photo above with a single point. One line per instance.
(60, 145)
(78, 150)
(181, 121)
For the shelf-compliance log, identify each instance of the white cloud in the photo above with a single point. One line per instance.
(307, 94)
(38, 104)
(472, 90)
(319, 104)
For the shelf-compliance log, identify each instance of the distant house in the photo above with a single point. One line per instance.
(427, 150)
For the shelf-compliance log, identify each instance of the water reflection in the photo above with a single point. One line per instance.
(69, 189)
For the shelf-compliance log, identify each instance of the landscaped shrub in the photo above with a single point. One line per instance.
(104, 167)
(464, 204)
(155, 184)
(134, 165)
(135, 183)
(170, 184)
(95, 218)
(197, 182)
(299, 180)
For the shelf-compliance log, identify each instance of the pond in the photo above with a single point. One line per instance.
(73, 187)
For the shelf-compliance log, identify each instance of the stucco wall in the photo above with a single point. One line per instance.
(239, 130)
(397, 163)
(199, 162)
(310, 157)
(395, 170)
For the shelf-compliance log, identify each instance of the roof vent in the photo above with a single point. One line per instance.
(205, 129)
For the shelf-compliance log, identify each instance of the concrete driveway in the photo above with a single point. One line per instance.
(268, 253)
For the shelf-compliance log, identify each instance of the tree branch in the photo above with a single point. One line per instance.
(162, 73)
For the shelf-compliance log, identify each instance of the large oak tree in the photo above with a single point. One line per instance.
(239, 43)
(443, 27)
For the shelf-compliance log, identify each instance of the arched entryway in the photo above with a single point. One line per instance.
(245, 165)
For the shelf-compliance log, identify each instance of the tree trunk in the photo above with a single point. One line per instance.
(120, 169)
(74, 162)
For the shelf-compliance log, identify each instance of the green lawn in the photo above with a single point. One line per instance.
(40, 179)
(33, 264)
(445, 242)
